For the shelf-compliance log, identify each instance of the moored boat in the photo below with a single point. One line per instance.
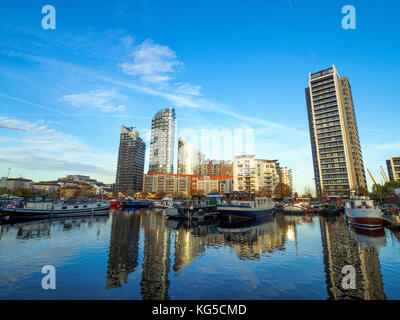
(115, 203)
(328, 209)
(129, 203)
(363, 213)
(164, 203)
(293, 208)
(247, 209)
(34, 207)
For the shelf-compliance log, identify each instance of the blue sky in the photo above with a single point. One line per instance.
(223, 65)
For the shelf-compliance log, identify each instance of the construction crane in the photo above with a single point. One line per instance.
(372, 178)
(385, 178)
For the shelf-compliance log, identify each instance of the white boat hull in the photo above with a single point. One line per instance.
(363, 214)
(293, 208)
(368, 218)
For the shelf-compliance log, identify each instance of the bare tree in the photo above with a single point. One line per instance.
(282, 191)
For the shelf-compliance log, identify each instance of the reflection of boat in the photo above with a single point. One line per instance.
(375, 238)
(172, 224)
(41, 230)
(279, 206)
(35, 207)
(114, 203)
(240, 227)
(248, 209)
(172, 212)
(363, 213)
(329, 218)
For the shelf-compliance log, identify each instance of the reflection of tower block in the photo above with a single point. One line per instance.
(341, 248)
(124, 249)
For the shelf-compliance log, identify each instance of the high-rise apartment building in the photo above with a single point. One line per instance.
(335, 143)
(130, 161)
(252, 175)
(393, 167)
(286, 177)
(189, 158)
(162, 141)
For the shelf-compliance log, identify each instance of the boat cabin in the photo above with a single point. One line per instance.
(38, 202)
(361, 204)
(304, 201)
(258, 202)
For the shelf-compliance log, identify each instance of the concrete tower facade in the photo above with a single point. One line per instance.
(335, 143)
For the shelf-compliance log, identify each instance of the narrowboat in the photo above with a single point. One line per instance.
(34, 207)
(132, 203)
(247, 209)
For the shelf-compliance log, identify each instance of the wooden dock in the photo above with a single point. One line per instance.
(392, 222)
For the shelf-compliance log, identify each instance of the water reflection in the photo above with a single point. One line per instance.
(43, 229)
(26, 247)
(156, 260)
(190, 243)
(124, 248)
(252, 239)
(349, 246)
(144, 252)
(34, 231)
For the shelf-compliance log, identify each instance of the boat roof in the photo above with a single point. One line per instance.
(38, 199)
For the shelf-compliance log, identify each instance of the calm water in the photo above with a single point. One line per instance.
(143, 256)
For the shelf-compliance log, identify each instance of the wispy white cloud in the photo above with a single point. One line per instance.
(162, 66)
(187, 89)
(38, 136)
(37, 105)
(167, 91)
(35, 161)
(41, 148)
(158, 62)
(101, 100)
(128, 41)
(153, 63)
